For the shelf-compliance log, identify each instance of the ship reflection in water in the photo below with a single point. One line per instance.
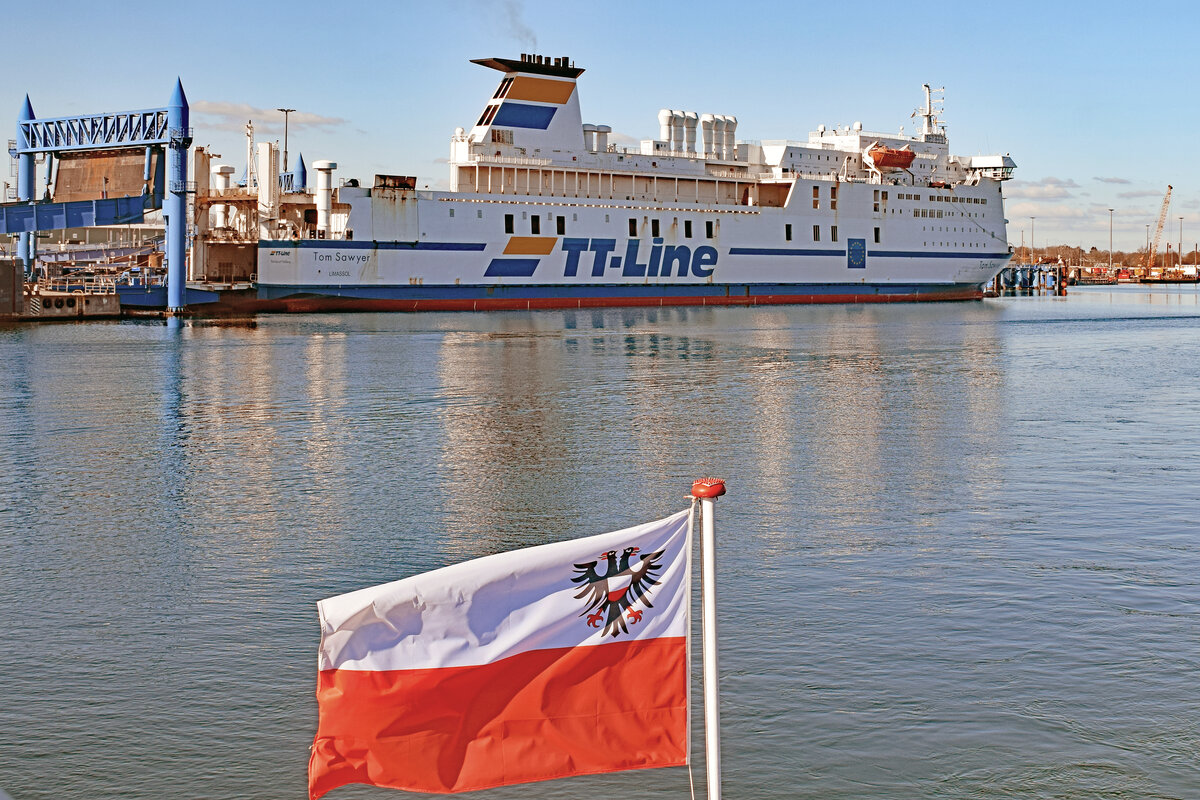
(957, 558)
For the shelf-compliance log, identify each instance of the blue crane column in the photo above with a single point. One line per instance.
(25, 181)
(175, 202)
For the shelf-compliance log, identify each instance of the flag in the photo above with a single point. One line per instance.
(564, 659)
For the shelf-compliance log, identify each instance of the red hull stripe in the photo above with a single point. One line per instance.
(312, 303)
(535, 716)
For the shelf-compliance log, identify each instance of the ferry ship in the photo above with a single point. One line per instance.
(545, 211)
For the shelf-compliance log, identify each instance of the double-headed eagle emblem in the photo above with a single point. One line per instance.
(609, 594)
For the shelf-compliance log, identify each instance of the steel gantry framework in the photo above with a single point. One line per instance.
(149, 129)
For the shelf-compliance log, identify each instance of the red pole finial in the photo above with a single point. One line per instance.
(708, 487)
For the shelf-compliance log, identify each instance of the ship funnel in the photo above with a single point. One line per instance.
(730, 138)
(664, 124)
(602, 132)
(707, 123)
(324, 196)
(689, 119)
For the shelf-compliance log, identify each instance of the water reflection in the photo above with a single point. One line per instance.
(895, 572)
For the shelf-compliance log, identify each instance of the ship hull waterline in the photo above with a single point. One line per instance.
(510, 298)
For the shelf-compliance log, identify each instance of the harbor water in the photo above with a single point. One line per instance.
(959, 557)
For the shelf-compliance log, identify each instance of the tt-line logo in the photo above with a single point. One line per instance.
(663, 261)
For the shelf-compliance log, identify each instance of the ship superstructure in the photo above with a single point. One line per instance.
(545, 210)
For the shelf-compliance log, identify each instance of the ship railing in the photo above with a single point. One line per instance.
(522, 161)
(737, 176)
(97, 284)
(232, 193)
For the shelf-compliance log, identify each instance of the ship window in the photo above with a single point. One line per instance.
(816, 197)
(654, 228)
(787, 232)
(877, 236)
(876, 194)
(885, 197)
(508, 223)
(816, 233)
(479, 214)
(575, 218)
(708, 228)
(833, 233)
(561, 225)
(489, 114)
(535, 225)
(633, 227)
(505, 85)
(606, 218)
(687, 229)
(452, 213)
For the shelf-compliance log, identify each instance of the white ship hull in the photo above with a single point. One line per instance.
(542, 212)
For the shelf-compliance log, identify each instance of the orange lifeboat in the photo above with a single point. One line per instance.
(890, 158)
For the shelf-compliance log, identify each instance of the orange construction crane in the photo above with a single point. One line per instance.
(1158, 229)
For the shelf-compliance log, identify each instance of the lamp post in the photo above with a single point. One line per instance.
(1180, 253)
(285, 111)
(1032, 246)
(1110, 240)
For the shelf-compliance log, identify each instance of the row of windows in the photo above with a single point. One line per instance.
(816, 233)
(941, 198)
(560, 225)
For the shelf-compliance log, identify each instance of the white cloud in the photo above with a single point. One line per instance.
(1016, 211)
(1111, 180)
(1049, 188)
(233, 117)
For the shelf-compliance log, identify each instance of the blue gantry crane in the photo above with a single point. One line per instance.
(162, 131)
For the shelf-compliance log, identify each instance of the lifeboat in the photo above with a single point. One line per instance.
(889, 158)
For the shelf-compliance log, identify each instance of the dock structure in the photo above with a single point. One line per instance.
(98, 152)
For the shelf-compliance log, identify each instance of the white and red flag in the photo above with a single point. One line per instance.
(565, 659)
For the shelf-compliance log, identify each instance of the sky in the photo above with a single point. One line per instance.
(1095, 102)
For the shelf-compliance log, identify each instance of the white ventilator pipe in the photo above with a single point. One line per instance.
(589, 137)
(719, 136)
(689, 120)
(707, 491)
(324, 195)
(676, 131)
(730, 138)
(707, 123)
(268, 181)
(602, 132)
(664, 125)
(222, 177)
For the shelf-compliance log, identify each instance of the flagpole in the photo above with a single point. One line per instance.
(707, 491)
